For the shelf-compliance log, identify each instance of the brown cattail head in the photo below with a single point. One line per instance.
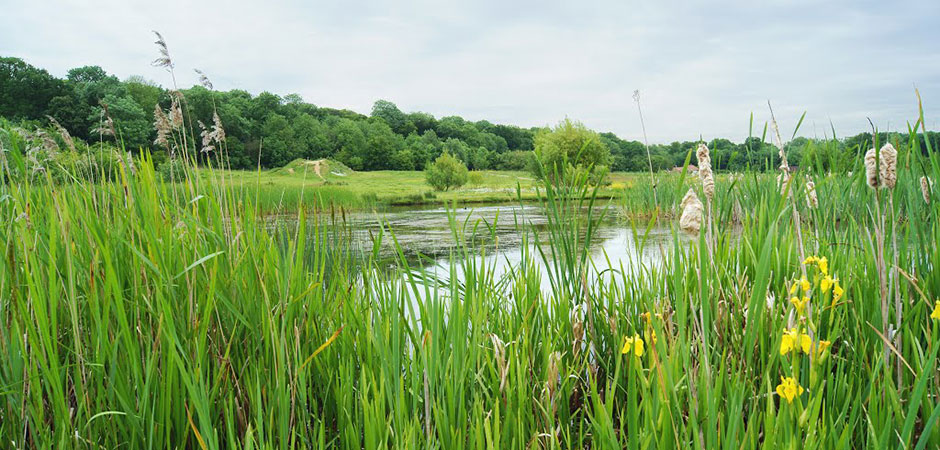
(691, 219)
(811, 200)
(925, 185)
(871, 169)
(889, 166)
(705, 171)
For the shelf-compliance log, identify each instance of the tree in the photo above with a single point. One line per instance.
(25, 91)
(397, 120)
(446, 172)
(568, 147)
(131, 123)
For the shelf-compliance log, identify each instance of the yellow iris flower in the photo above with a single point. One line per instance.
(793, 340)
(804, 283)
(800, 304)
(836, 291)
(823, 264)
(826, 283)
(789, 389)
(822, 347)
(633, 344)
(936, 311)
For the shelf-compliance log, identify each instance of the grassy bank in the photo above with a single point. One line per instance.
(298, 183)
(137, 314)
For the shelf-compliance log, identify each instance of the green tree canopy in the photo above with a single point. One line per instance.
(446, 172)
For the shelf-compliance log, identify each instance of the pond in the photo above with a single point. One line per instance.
(495, 235)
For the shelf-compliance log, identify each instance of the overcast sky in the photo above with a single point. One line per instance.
(702, 67)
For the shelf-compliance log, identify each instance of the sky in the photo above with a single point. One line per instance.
(702, 68)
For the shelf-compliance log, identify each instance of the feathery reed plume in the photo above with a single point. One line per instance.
(207, 138)
(164, 59)
(48, 144)
(63, 133)
(204, 80)
(889, 166)
(217, 129)
(811, 200)
(925, 185)
(106, 126)
(161, 123)
(705, 171)
(176, 111)
(691, 219)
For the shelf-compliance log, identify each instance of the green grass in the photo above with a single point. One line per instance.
(139, 314)
(295, 184)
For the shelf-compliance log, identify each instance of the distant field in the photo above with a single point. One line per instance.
(335, 184)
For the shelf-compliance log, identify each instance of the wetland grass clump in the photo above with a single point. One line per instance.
(140, 312)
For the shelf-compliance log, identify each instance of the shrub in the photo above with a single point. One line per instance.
(446, 172)
(568, 149)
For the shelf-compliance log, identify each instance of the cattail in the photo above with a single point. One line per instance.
(811, 200)
(925, 185)
(871, 168)
(691, 219)
(204, 80)
(63, 133)
(889, 166)
(881, 167)
(164, 59)
(162, 124)
(705, 171)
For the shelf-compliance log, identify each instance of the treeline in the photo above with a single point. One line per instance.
(271, 130)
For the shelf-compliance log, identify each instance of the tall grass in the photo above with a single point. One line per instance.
(134, 319)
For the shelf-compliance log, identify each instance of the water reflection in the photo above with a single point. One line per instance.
(494, 235)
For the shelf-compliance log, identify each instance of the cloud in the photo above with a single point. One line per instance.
(702, 67)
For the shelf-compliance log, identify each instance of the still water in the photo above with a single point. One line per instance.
(494, 234)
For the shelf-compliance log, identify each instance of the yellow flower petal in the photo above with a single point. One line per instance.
(806, 344)
(826, 283)
(936, 311)
(823, 264)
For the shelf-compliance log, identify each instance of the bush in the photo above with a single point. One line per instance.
(446, 172)
(570, 148)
